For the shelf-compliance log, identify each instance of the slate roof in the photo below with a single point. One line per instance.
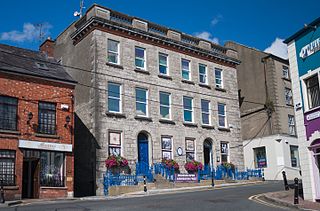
(33, 63)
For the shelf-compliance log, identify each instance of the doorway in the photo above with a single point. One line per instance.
(30, 178)
(143, 149)
(207, 152)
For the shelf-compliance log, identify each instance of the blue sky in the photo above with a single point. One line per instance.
(255, 23)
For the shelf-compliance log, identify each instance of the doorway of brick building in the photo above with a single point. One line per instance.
(30, 178)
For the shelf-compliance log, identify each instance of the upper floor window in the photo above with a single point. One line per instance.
(142, 102)
(8, 113)
(291, 125)
(205, 112)
(219, 77)
(7, 167)
(140, 58)
(163, 64)
(165, 110)
(222, 115)
(285, 72)
(113, 51)
(203, 74)
(185, 64)
(47, 118)
(114, 97)
(187, 109)
(313, 91)
(288, 96)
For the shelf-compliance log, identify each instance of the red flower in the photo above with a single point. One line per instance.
(193, 166)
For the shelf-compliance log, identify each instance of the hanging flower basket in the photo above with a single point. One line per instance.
(117, 164)
(170, 163)
(193, 166)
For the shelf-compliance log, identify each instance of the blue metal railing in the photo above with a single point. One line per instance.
(118, 180)
(167, 173)
(143, 169)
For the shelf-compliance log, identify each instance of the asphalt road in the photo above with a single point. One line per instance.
(231, 198)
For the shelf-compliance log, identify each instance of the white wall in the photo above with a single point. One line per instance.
(277, 153)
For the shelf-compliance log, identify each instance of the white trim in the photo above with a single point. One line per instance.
(167, 61)
(117, 53)
(188, 70)
(144, 57)
(28, 144)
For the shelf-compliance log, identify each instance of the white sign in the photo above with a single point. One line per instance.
(310, 49)
(45, 146)
(314, 115)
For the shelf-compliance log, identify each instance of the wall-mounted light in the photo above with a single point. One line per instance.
(30, 116)
(68, 120)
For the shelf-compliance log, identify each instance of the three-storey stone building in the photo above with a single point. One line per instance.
(147, 92)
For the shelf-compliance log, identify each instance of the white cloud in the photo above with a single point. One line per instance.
(278, 48)
(207, 36)
(30, 32)
(216, 20)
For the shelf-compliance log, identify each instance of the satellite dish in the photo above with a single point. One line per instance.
(76, 14)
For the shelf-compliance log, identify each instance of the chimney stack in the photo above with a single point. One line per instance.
(47, 47)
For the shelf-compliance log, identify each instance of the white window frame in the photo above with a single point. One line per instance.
(188, 70)
(110, 51)
(185, 109)
(205, 74)
(118, 146)
(167, 63)
(225, 153)
(224, 116)
(166, 106)
(221, 85)
(291, 125)
(167, 150)
(144, 58)
(288, 96)
(146, 103)
(111, 97)
(192, 151)
(204, 112)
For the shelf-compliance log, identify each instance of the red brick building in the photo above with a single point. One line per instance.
(36, 125)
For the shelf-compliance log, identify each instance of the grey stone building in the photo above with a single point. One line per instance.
(267, 112)
(146, 92)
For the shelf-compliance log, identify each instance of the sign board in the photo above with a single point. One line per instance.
(45, 146)
(313, 115)
(310, 49)
(191, 178)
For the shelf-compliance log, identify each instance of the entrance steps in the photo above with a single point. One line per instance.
(162, 183)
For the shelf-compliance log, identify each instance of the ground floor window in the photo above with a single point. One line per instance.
(52, 169)
(115, 143)
(166, 146)
(294, 156)
(260, 157)
(7, 167)
(190, 150)
(224, 148)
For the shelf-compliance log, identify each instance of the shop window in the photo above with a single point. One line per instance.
(8, 113)
(115, 143)
(294, 153)
(166, 146)
(313, 91)
(52, 169)
(7, 167)
(260, 157)
(47, 118)
(190, 150)
(224, 149)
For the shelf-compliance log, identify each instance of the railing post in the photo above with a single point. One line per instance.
(296, 191)
(2, 200)
(285, 181)
(212, 178)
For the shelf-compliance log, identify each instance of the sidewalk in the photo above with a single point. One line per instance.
(127, 195)
(285, 198)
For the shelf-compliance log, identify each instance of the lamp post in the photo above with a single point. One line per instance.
(212, 175)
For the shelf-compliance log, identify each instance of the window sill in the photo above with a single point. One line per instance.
(190, 124)
(46, 136)
(11, 187)
(224, 129)
(11, 132)
(205, 86)
(117, 115)
(167, 121)
(45, 187)
(143, 118)
(115, 65)
(220, 89)
(142, 71)
(286, 79)
(290, 105)
(187, 82)
(208, 127)
(165, 76)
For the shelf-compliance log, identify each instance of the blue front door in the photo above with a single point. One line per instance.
(143, 149)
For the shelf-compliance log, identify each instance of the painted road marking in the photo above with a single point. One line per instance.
(256, 199)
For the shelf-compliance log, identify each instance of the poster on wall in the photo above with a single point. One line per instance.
(189, 145)
(115, 138)
(166, 143)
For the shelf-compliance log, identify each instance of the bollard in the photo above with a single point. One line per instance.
(212, 179)
(296, 191)
(285, 181)
(144, 184)
(2, 200)
(263, 179)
